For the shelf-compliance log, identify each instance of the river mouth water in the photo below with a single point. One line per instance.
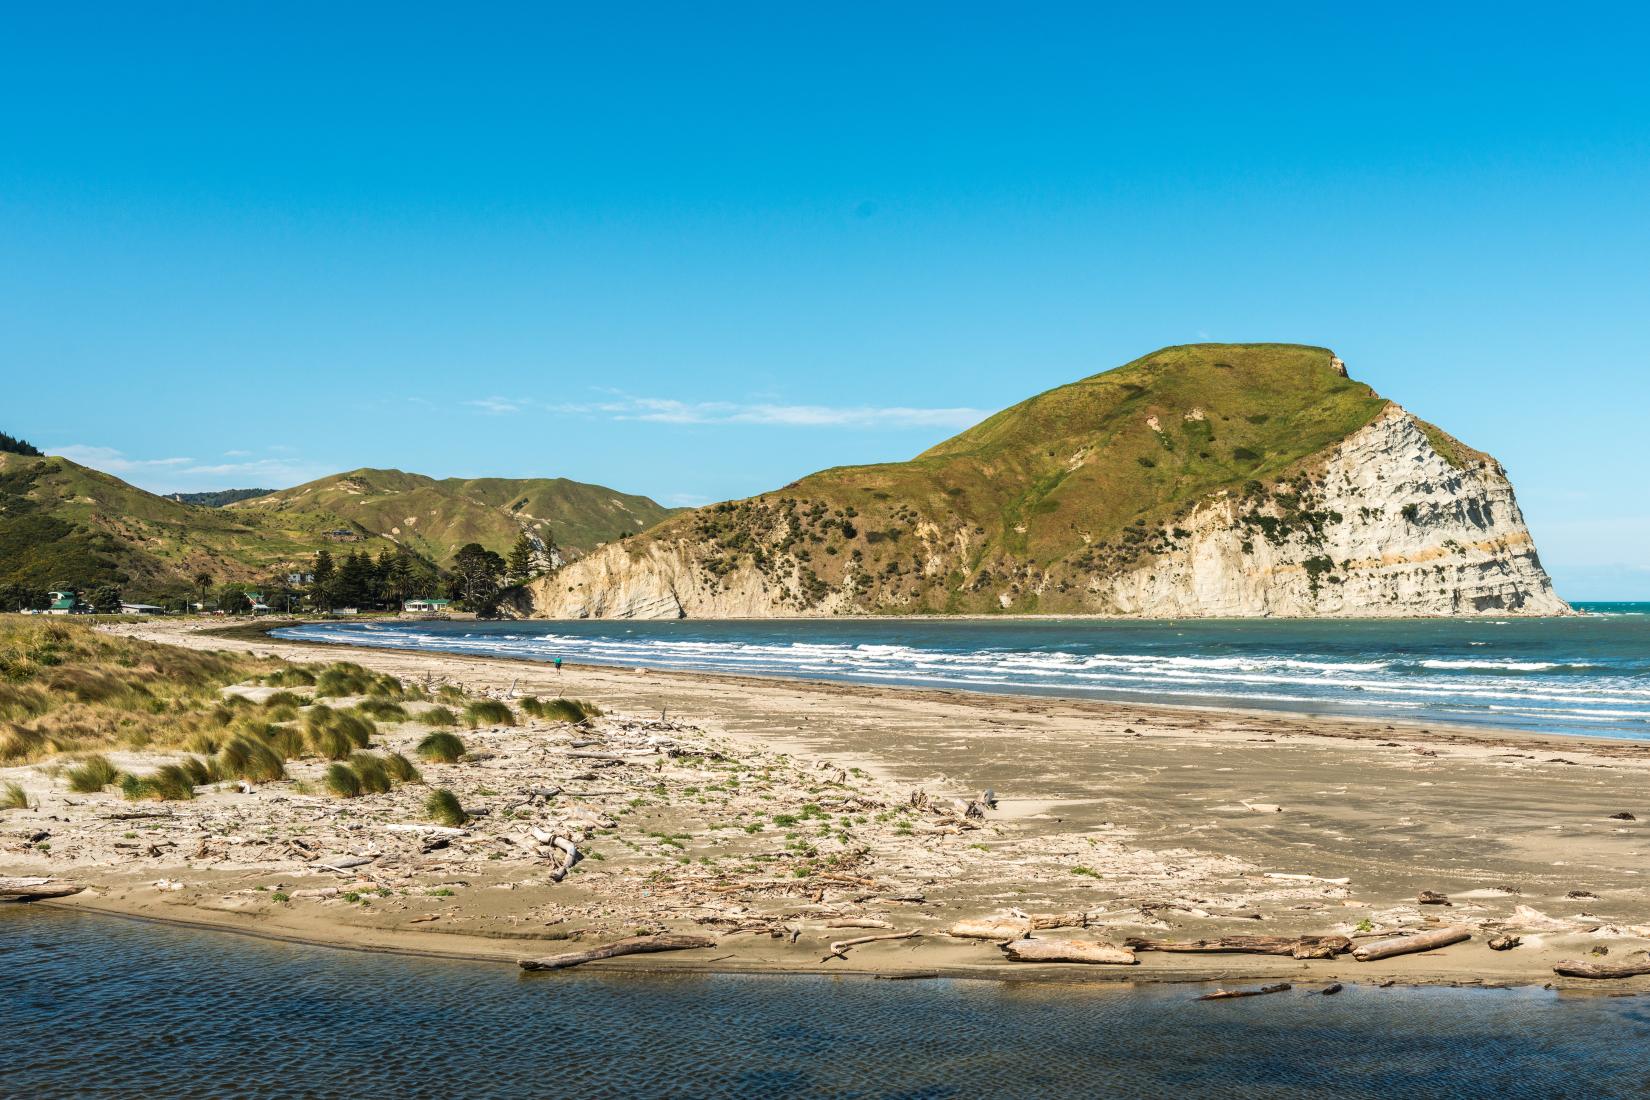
(1581, 675)
(103, 1007)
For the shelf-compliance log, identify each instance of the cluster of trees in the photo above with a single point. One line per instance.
(10, 444)
(104, 599)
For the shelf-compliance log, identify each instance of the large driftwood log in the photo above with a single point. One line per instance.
(1300, 947)
(1074, 951)
(34, 889)
(1574, 968)
(990, 928)
(1407, 945)
(635, 945)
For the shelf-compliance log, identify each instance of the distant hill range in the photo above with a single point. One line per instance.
(1204, 480)
(63, 524)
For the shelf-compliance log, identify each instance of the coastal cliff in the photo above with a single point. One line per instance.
(1213, 480)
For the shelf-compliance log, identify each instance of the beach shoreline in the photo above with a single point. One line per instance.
(1163, 821)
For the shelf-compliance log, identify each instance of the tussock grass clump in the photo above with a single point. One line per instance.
(342, 781)
(371, 771)
(168, 783)
(401, 769)
(282, 713)
(288, 741)
(92, 775)
(442, 748)
(206, 742)
(291, 676)
(249, 757)
(444, 809)
(439, 716)
(488, 712)
(18, 741)
(343, 678)
(335, 734)
(384, 710)
(385, 686)
(284, 699)
(561, 710)
(447, 693)
(13, 797)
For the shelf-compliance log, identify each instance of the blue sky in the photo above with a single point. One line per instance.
(697, 251)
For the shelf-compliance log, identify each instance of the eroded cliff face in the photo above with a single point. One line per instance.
(1380, 524)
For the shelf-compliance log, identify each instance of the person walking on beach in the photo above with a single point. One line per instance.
(558, 666)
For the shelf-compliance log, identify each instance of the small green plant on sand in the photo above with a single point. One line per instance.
(1086, 872)
(92, 774)
(442, 748)
(443, 808)
(13, 797)
(401, 769)
(342, 781)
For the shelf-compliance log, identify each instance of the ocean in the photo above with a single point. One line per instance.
(104, 1007)
(1588, 674)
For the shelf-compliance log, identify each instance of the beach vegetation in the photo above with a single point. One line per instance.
(382, 710)
(1086, 872)
(561, 710)
(449, 693)
(13, 797)
(335, 734)
(344, 678)
(291, 676)
(169, 782)
(488, 712)
(280, 699)
(438, 716)
(443, 807)
(441, 747)
(92, 774)
(342, 781)
(371, 771)
(251, 758)
(401, 769)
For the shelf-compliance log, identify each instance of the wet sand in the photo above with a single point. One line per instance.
(1158, 822)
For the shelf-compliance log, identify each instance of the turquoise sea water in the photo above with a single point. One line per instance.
(1588, 674)
(102, 1007)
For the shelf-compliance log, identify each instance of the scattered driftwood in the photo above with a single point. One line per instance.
(1504, 942)
(1073, 951)
(857, 922)
(1233, 994)
(1331, 989)
(1408, 945)
(839, 949)
(1300, 947)
(1574, 968)
(1431, 897)
(35, 889)
(635, 945)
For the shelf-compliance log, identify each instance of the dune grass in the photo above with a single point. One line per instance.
(560, 710)
(371, 771)
(444, 808)
(383, 710)
(342, 781)
(447, 693)
(284, 699)
(92, 775)
(291, 676)
(334, 734)
(401, 769)
(13, 797)
(488, 712)
(439, 716)
(251, 758)
(441, 747)
(170, 782)
(65, 687)
(341, 679)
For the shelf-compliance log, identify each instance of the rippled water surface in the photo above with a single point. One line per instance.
(96, 1006)
(1584, 675)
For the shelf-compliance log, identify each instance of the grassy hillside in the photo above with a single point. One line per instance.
(1084, 477)
(62, 524)
(433, 518)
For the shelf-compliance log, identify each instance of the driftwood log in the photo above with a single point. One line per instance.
(34, 889)
(1231, 994)
(1300, 947)
(1408, 945)
(1574, 968)
(839, 949)
(1072, 951)
(635, 945)
(990, 928)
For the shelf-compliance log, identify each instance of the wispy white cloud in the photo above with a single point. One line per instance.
(663, 410)
(185, 475)
(499, 406)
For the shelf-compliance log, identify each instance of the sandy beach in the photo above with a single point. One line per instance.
(783, 817)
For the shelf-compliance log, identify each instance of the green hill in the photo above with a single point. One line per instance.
(63, 524)
(434, 518)
(1082, 499)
